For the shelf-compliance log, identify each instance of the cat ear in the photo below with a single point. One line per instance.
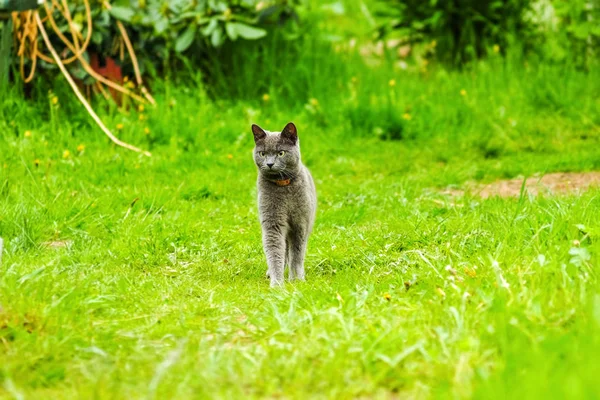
(290, 133)
(259, 134)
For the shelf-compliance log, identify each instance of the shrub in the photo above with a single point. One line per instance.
(572, 30)
(460, 30)
(165, 33)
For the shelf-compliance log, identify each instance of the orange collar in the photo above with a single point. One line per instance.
(283, 182)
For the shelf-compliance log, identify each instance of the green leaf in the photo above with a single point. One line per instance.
(185, 40)
(103, 19)
(210, 28)
(217, 39)
(161, 25)
(122, 13)
(247, 31)
(581, 31)
(230, 29)
(97, 37)
(219, 6)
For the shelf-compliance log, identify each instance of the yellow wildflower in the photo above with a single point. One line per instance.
(119, 126)
(141, 108)
(354, 79)
(387, 296)
(141, 117)
(496, 49)
(36, 162)
(54, 100)
(230, 156)
(407, 116)
(266, 97)
(66, 154)
(314, 102)
(463, 92)
(27, 133)
(147, 131)
(440, 292)
(80, 148)
(392, 82)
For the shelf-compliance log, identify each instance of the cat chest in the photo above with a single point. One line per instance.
(286, 199)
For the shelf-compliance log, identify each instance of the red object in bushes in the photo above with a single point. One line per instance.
(108, 68)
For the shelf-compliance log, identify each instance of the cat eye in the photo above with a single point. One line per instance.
(281, 153)
(262, 153)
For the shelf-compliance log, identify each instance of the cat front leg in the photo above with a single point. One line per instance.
(274, 247)
(299, 241)
(288, 258)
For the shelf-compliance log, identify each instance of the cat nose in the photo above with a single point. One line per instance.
(270, 165)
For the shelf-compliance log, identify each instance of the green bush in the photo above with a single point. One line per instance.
(461, 30)
(572, 30)
(165, 33)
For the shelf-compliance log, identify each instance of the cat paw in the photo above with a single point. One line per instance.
(276, 284)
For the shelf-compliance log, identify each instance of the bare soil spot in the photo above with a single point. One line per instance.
(555, 183)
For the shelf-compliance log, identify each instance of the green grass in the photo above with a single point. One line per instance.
(155, 286)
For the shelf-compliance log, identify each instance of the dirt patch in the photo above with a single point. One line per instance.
(559, 182)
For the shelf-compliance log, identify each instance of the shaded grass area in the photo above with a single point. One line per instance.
(129, 277)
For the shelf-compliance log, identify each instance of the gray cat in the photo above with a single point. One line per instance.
(287, 201)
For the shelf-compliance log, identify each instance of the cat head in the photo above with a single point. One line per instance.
(277, 154)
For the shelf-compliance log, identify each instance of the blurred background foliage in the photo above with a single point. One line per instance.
(167, 34)
(184, 30)
(347, 55)
(458, 31)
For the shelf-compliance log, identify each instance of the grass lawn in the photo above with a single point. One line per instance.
(125, 276)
